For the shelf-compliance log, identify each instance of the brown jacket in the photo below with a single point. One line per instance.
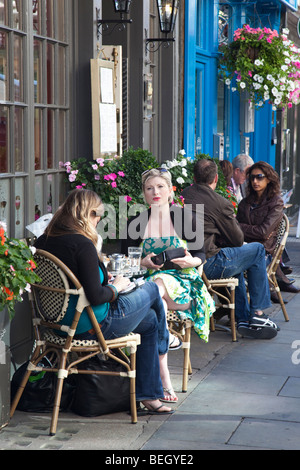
(221, 228)
(260, 223)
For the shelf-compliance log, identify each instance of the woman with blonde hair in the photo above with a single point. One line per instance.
(72, 237)
(161, 229)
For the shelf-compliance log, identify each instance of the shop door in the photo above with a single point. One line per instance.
(286, 154)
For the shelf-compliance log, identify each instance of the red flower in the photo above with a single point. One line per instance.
(32, 264)
(9, 293)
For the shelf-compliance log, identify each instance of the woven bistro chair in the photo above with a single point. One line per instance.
(223, 292)
(182, 327)
(282, 234)
(49, 301)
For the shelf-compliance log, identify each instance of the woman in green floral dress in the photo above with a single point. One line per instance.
(166, 226)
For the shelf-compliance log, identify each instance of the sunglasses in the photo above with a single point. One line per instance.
(259, 177)
(162, 170)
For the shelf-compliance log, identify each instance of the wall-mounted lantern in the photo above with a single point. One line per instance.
(167, 11)
(122, 7)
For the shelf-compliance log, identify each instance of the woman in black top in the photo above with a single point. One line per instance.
(72, 237)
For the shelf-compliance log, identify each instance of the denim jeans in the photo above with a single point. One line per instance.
(233, 262)
(142, 312)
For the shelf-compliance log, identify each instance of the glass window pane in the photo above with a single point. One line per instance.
(62, 136)
(49, 18)
(198, 108)
(199, 25)
(49, 193)
(38, 208)
(4, 89)
(62, 189)
(18, 69)
(4, 144)
(19, 133)
(37, 16)
(62, 76)
(3, 12)
(50, 139)
(4, 202)
(38, 139)
(60, 33)
(221, 108)
(38, 71)
(50, 73)
(17, 14)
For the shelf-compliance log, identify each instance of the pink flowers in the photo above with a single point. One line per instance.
(111, 176)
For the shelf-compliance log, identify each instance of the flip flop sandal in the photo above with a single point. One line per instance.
(177, 346)
(155, 411)
(171, 397)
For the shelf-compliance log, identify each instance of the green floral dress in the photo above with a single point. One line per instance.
(183, 286)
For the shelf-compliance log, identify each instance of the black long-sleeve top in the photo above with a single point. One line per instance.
(79, 254)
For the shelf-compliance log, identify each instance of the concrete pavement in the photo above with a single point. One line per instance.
(243, 395)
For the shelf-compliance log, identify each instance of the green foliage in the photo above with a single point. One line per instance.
(16, 270)
(120, 179)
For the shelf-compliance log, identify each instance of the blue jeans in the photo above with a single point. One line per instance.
(232, 262)
(142, 312)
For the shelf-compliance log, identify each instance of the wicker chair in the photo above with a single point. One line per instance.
(182, 328)
(282, 234)
(223, 291)
(49, 301)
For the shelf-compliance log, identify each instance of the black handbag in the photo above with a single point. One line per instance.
(165, 258)
(39, 393)
(96, 395)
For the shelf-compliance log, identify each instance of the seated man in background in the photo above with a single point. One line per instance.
(240, 165)
(227, 256)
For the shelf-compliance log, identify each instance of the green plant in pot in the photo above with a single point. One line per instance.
(17, 270)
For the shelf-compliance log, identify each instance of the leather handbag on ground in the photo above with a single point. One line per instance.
(97, 395)
(39, 393)
(166, 257)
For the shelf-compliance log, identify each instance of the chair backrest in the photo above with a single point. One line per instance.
(282, 234)
(282, 231)
(53, 293)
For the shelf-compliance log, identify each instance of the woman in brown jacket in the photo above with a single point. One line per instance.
(261, 211)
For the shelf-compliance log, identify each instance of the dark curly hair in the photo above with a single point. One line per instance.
(273, 187)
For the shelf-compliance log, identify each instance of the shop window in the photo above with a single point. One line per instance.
(33, 103)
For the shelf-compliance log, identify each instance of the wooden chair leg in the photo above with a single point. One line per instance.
(62, 374)
(277, 289)
(212, 324)
(132, 390)
(186, 359)
(19, 393)
(232, 314)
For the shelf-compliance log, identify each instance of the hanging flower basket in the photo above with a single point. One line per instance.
(263, 63)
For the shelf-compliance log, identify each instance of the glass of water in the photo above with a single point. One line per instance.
(134, 257)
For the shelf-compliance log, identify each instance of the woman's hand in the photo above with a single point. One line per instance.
(121, 283)
(188, 261)
(148, 263)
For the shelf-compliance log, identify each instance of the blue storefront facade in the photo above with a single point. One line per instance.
(216, 121)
